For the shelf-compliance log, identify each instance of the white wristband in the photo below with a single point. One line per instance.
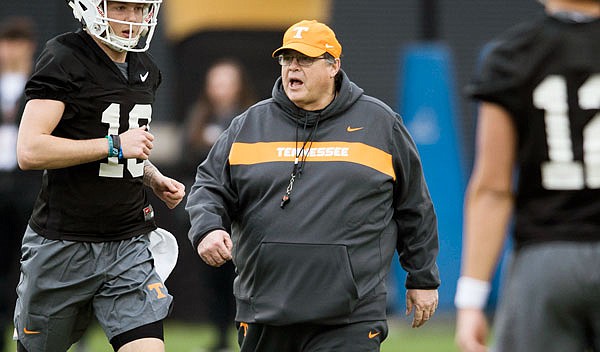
(471, 293)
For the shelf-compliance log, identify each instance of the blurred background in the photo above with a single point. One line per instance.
(415, 55)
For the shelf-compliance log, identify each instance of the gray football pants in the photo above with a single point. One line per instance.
(551, 299)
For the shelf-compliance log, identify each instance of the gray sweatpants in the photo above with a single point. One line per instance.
(65, 283)
(551, 299)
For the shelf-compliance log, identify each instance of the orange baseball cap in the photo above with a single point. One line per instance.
(311, 38)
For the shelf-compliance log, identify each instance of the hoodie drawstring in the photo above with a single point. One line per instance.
(300, 158)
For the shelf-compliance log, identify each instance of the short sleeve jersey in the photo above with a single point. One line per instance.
(101, 200)
(547, 75)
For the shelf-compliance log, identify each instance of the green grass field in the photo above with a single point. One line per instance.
(435, 336)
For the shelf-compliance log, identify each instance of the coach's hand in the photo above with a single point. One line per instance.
(471, 330)
(424, 303)
(215, 248)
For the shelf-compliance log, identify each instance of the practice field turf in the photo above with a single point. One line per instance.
(436, 336)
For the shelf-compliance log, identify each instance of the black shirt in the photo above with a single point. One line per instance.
(546, 74)
(105, 199)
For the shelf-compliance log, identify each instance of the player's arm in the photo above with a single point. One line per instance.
(488, 207)
(38, 149)
(489, 197)
(170, 191)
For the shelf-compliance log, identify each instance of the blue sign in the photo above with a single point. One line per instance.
(428, 108)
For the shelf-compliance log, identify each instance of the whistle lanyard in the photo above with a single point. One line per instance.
(300, 159)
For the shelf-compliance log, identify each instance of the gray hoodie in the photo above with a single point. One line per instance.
(358, 196)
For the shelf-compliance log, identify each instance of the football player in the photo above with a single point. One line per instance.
(539, 93)
(88, 248)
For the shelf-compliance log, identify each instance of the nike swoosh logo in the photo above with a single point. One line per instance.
(354, 129)
(373, 334)
(328, 46)
(30, 332)
(143, 77)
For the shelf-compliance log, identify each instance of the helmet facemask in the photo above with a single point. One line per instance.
(93, 15)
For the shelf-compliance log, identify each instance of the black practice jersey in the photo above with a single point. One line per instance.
(101, 200)
(547, 75)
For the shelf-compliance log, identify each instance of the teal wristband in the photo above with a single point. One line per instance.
(117, 145)
(112, 151)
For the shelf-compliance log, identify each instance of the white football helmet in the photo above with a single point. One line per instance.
(93, 15)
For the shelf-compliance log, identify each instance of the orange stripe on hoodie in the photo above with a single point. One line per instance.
(359, 153)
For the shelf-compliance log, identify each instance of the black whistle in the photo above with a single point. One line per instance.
(284, 200)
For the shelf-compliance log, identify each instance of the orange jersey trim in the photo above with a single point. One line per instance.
(358, 153)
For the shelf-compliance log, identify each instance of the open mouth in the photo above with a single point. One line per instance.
(126, 33)
(295, 83)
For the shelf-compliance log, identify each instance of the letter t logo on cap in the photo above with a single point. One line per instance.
(299, 31)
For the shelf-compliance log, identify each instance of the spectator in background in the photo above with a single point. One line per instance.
(17, 189)
(539, 90)
(227, 93)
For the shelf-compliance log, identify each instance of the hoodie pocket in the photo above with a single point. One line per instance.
(297, 283)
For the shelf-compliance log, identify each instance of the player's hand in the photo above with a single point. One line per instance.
(423, 302)
(136, 143)
(471, 330)
(170, 191)
(215, 248)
